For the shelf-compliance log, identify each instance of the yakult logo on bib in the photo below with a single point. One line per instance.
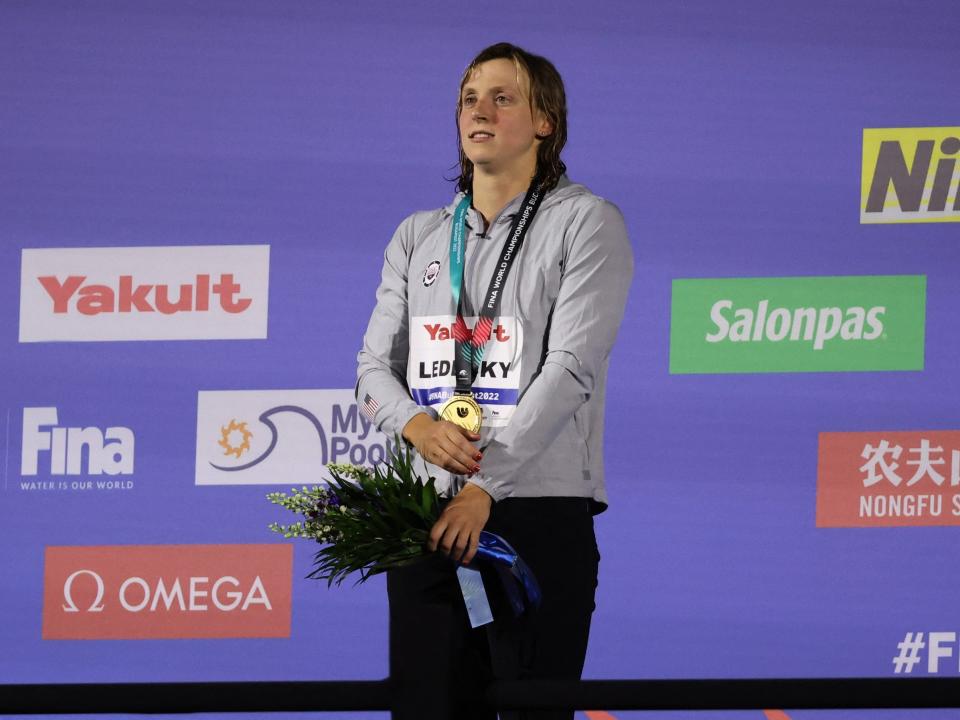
(430, 367)
(144, 293)
(167, 591)
(279, 437)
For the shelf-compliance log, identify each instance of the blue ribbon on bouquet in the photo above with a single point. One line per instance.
(517, 578)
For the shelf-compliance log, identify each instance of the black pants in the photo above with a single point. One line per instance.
(439, 667)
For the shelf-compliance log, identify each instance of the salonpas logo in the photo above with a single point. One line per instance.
(802, 324)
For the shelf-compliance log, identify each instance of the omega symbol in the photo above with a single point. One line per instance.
(96, 605)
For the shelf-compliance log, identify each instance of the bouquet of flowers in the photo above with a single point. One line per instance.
(368, 519)
(372, 519)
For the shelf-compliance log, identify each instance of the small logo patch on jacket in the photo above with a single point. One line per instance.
(431, 273)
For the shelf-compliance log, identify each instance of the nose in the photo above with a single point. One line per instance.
(482, 110)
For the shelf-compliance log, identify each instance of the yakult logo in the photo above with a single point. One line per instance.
(74, 294)
(438, 331)
(279, 437)
(148, 293)
(176, 591)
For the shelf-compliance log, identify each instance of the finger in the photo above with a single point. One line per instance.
(454, 466)
(465, 440)
(468, 434)
(461, 547)
(443, 532)
(462, 437)
(456, 460)
(436, 532)
(448, 541)
(471, 548)
(466, 453)
(442, 453)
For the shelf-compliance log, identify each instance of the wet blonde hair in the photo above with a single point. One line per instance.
(546, 96)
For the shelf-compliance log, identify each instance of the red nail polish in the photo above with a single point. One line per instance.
(478, 457)
(476, 469)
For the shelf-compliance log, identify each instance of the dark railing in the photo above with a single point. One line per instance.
(263, 697)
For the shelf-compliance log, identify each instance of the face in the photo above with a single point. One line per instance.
(497, 128)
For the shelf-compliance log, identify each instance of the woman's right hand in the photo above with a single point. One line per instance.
(444, 444)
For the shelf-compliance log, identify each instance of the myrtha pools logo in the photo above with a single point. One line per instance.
(282, 437)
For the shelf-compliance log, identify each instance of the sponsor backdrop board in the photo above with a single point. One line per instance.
(194, 204)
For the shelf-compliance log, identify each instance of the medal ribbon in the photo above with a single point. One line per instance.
(518, 580)
(469, 345)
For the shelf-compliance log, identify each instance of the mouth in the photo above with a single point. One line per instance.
(480, 135)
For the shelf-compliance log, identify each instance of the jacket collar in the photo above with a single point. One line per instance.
(512, 207)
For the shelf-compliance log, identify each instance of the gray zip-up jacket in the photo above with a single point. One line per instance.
(542, 381)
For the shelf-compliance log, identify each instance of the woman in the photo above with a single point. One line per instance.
(499, 311)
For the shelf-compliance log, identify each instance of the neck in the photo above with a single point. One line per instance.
(492, 192)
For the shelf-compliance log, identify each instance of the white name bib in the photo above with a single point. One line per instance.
(430, 371)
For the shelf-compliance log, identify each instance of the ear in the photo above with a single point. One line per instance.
(544, 128)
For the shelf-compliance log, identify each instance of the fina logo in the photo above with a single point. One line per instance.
(281, 437)
(108, 451)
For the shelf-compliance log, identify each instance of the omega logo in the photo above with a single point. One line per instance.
(136, 594)
(96, 605)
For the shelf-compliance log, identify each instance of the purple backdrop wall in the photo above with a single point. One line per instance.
(728, 133)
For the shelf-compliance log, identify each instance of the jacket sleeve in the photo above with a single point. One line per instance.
(381, 389)
(598, 268)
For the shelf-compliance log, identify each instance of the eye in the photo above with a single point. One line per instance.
(503, 99)
(469, 101)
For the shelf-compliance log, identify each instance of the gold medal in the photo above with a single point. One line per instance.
(464, 411)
